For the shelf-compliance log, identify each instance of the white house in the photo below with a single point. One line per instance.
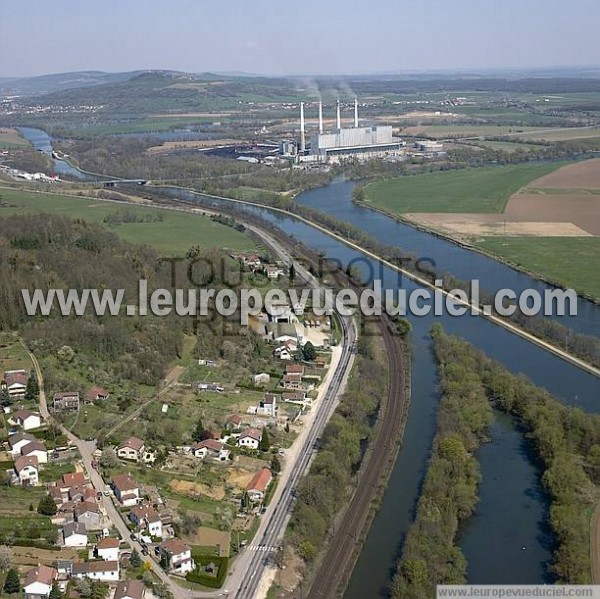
(36, 449)
(250, 438)
(27, 470)
(38, 582)
(147, 519)
(267, 406)
(126, 490)
(211, 448)
(74, 535)
(25, 419)
(18, 441)
(99, 570)
(108, 549)
(16, 383)
(131, 449)
(178, 556)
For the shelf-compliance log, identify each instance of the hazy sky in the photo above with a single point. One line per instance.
(302, 37)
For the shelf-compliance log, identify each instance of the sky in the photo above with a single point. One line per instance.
(279, 37)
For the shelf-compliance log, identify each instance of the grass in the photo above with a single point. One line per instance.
(567, 261)
(15, 501)
(13, 356)
(173, 236)
(467, 130)
(476, 190)
(10, 138)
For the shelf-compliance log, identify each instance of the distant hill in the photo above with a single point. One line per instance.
(44, 84)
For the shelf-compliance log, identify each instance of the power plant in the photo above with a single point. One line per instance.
(361, 143)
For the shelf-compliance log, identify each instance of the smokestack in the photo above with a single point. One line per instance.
(339, 117)
(320, 116)
(356, 113)
(302, 134)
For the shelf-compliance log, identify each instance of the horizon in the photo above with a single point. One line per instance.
(289, 41)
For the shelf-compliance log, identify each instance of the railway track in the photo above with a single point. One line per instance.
(342, 548)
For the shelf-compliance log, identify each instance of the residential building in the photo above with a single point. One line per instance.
(108, 549)
(273, 272)
(15, 382)
(130, 589)
(126, 490)
(27, 470)
(295, 369)
(213, 449)
(74, 534)
(25, 419)
(88, 514)
(257, 487)
(99, 570)
(37, 449)
(147, 519)
(233, 423)
(268, 405)
(291, 381)
(38, 582)
(96, 394)
(250, 438)
(64, 402)
(178, 556)
(17, 441)
(295, 397)
(72, 479)
(131, 449)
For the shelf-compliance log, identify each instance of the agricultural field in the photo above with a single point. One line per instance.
(569, 262)
(553, 135)
(466, 130)
(173, 235)
(10, 139)
(12, 355)
(477, 190)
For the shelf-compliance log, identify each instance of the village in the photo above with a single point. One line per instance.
(189, 503)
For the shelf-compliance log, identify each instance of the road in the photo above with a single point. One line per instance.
(251, 565)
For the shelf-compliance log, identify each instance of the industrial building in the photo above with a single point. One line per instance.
(360, 143)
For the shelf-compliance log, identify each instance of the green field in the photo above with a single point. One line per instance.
(174, 235)
(477, 190)
(567, 261)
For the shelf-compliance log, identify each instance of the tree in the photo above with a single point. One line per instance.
(55, 592)
(84, 587)
(136, 560)
(108, 459)
(47, 506)
(12, 583)
(245, 501)
(265, 443)
(4, 397)
(292, 273)
(200, 432)
(32, 389)
(287, 427)
(358, 194)
(275, 464)
(309, 352)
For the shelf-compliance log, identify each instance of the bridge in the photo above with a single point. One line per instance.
(118, 182)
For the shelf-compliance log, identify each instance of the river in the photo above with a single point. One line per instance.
(511, 518)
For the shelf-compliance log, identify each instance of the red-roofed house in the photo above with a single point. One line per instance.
(15, 382)
(72, 479)
(99, 570)
(37, 449)
(108, 549)
(127, 491)
(250, 438)
(27, 470)
(131, 449)
(130, 589)
(38, 582)
(258, 485)
(178, 556)
(233, 423)
(211, 448)
(96, 394)
(146, 518)
(295, 369)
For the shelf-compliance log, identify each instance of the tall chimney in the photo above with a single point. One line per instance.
(339, 117)
(356, 113)
(321, 116)
(302, 134)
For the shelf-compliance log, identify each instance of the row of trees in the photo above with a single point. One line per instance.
(449, 495)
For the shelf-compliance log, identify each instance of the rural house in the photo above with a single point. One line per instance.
(38, 582)
(36, 449)
(15, 382)
(267, 406)
(99, 570)
(74, 534)
(96, 394)
(257, 487)
(147, 519)
(177, 555)
(25, 419)
(261, 379)
(88, 514)
(67, 401)
(27, 470)
(108, 549)
(130, 589)
(250, 438)
(233, 423)
(17, 441)
(131, 449)
(213, 449)
(126, 490)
